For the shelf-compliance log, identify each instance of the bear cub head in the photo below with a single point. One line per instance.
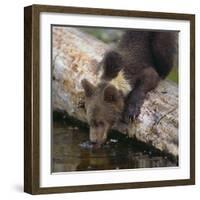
(104, 105)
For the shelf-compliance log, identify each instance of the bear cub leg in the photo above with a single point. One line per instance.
(148, 80)
(112, 64)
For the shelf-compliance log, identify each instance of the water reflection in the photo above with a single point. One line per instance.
(71, 153)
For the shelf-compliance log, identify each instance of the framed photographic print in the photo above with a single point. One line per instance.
(109, 99)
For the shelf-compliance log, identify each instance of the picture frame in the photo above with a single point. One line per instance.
(33, 75)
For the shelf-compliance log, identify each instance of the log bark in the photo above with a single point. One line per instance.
(76, 56)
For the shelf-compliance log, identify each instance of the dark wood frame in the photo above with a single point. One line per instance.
(32, 106)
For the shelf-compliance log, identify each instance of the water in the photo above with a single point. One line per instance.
(73, 152)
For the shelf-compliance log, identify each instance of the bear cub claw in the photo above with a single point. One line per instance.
(131, 114)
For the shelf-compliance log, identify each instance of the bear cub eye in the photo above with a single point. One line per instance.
(97, 124)
(101, 123)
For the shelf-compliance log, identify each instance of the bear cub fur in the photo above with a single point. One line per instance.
(130, 70)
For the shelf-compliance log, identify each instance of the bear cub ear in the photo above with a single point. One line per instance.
(111, 94)
(88, 87)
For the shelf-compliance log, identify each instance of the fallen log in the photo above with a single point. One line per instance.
(75, 56)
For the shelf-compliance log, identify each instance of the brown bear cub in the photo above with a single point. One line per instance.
(130, 70)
